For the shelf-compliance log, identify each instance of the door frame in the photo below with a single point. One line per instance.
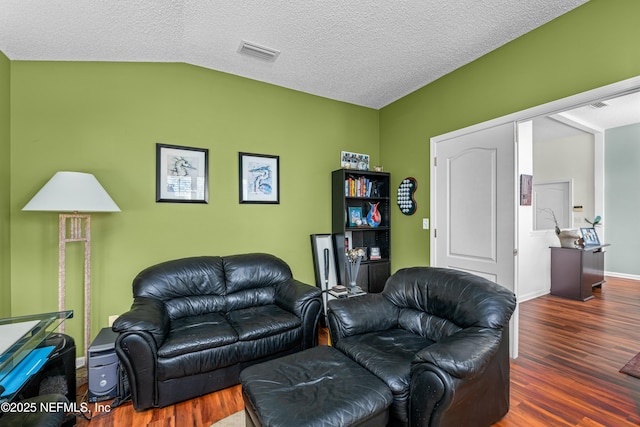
(620, 88)
(569, 183)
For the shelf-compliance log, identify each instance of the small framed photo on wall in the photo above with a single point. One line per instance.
(526, 189)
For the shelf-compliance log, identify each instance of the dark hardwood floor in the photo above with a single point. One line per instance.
(566, 373)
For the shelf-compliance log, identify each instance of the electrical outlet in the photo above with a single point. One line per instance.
(112, 319)
(425, 223)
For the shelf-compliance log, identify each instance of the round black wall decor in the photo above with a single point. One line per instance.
(406, 190)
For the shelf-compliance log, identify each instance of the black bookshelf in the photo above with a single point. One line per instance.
(354, 191)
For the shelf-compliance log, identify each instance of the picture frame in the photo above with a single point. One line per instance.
(590, 236)
(259, 178)
(526, 191)
(349, 160)
(182, 174)
(355, 216)
(324, 263)
(365, 251)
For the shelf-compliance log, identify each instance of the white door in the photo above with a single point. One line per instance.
(475, 203)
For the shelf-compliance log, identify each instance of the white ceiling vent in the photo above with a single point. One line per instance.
(598, 104)
(261, 52)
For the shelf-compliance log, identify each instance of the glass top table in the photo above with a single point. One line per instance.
(19, 336)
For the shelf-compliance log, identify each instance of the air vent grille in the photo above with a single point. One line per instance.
(261, 52)
(598, 104)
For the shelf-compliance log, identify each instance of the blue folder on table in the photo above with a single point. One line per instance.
(25, 369)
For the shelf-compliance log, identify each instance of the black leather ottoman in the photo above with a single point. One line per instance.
(315, 387)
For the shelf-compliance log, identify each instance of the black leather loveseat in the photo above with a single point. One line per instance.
(195, 323)
(438, 338)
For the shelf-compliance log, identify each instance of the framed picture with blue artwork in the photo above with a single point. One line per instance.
(259, 178)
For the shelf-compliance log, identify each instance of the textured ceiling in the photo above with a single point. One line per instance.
(365, 52)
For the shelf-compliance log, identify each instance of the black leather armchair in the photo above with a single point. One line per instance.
(195, 323)
(438, 338)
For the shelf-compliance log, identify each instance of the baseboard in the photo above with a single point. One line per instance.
(532, 295)
(622, 275)
(80, 362)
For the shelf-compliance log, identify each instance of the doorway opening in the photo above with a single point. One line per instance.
(560, 111)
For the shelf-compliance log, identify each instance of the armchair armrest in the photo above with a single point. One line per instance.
(146, 315)
(359, 315)
(462, 380)
(463, 355)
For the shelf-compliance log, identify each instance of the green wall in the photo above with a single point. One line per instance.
(622, 157)
(106, 118)
(5, 171)
(562, 58)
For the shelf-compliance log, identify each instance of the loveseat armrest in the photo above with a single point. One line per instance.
(146, 315)
(294, 296)
(359, 315)
(305, 301)
(463, 355)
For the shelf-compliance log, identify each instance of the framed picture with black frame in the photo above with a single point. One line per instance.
(526, 183)
(355, 216)
(182, 174)
(259, 179)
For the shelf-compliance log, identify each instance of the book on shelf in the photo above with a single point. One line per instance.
(358, 186)
(339, 291)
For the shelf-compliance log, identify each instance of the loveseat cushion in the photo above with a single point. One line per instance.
(268, 347)
(190, 334)
(187, 286)
(387, 355)
(198, 362)
(262, 321)
(251, 271)
(207, 342)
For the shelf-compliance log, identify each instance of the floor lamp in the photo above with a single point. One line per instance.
(73, 192)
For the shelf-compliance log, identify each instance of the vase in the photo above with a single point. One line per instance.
(352, 275)
(373, 217)
(569, 239)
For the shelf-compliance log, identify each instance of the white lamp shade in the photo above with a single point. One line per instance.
(72, 192)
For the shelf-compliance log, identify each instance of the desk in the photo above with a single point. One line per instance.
(575, 272)
(26, 336)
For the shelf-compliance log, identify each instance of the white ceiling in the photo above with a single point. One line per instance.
(612, 113)
(365, 52)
